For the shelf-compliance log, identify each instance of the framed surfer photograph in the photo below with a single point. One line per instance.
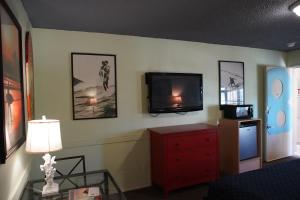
(231, 83)
(94, 89)
(12, 131)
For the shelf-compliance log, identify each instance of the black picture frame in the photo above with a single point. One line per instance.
(12, 131)
(231, 83)
(94, 86)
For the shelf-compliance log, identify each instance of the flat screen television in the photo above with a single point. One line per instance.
(174, 92)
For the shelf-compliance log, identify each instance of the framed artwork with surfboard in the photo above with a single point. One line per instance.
(94, 86)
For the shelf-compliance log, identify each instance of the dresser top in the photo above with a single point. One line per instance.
(182, 128)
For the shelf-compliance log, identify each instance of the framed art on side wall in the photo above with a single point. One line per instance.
(231, 83)
(12, 131)
(94, 86)
(29, 76)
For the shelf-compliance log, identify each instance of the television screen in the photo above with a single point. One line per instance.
(174, 92)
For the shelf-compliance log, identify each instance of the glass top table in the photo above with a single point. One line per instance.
(102, 178)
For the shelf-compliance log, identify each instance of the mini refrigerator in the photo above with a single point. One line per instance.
(248, 141)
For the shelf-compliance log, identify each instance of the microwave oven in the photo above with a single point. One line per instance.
(238, 111)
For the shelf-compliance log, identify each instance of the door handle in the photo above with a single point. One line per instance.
(267, 115)
(267, 110)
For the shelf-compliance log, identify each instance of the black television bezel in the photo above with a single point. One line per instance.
(148, 77)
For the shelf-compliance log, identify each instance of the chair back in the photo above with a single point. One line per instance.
(70, 165)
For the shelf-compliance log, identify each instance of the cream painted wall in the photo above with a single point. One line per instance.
(293, 58)
(15, 172)
(122, 144)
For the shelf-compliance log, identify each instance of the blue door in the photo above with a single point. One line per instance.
(278, 117)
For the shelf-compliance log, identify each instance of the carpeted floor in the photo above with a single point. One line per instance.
(153, 193)
(196, 192)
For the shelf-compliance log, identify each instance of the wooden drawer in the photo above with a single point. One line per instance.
(197, 165)
(192, 172)
(206, 140)
(191, 143)
(194, 157)
(183, 155)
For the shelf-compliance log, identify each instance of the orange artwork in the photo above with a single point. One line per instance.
(12, 131)
(13, 111)
(29, 77)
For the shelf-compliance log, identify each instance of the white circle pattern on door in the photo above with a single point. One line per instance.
(281, 118)
(277, 88)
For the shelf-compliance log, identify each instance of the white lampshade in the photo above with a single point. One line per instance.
(43, 136)
(296, 8)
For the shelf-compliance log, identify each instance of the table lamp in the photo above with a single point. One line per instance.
(43, 136)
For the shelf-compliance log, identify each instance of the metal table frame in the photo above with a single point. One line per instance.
(63, 193)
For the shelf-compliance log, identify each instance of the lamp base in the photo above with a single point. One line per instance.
(49, 170)
(50, 189)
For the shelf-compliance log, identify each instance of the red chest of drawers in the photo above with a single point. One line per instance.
(184, 155)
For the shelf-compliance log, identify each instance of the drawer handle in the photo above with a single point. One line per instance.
(177, 159)
(176, 144)
(207, 139)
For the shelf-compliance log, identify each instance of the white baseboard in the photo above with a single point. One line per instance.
(16, 194)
